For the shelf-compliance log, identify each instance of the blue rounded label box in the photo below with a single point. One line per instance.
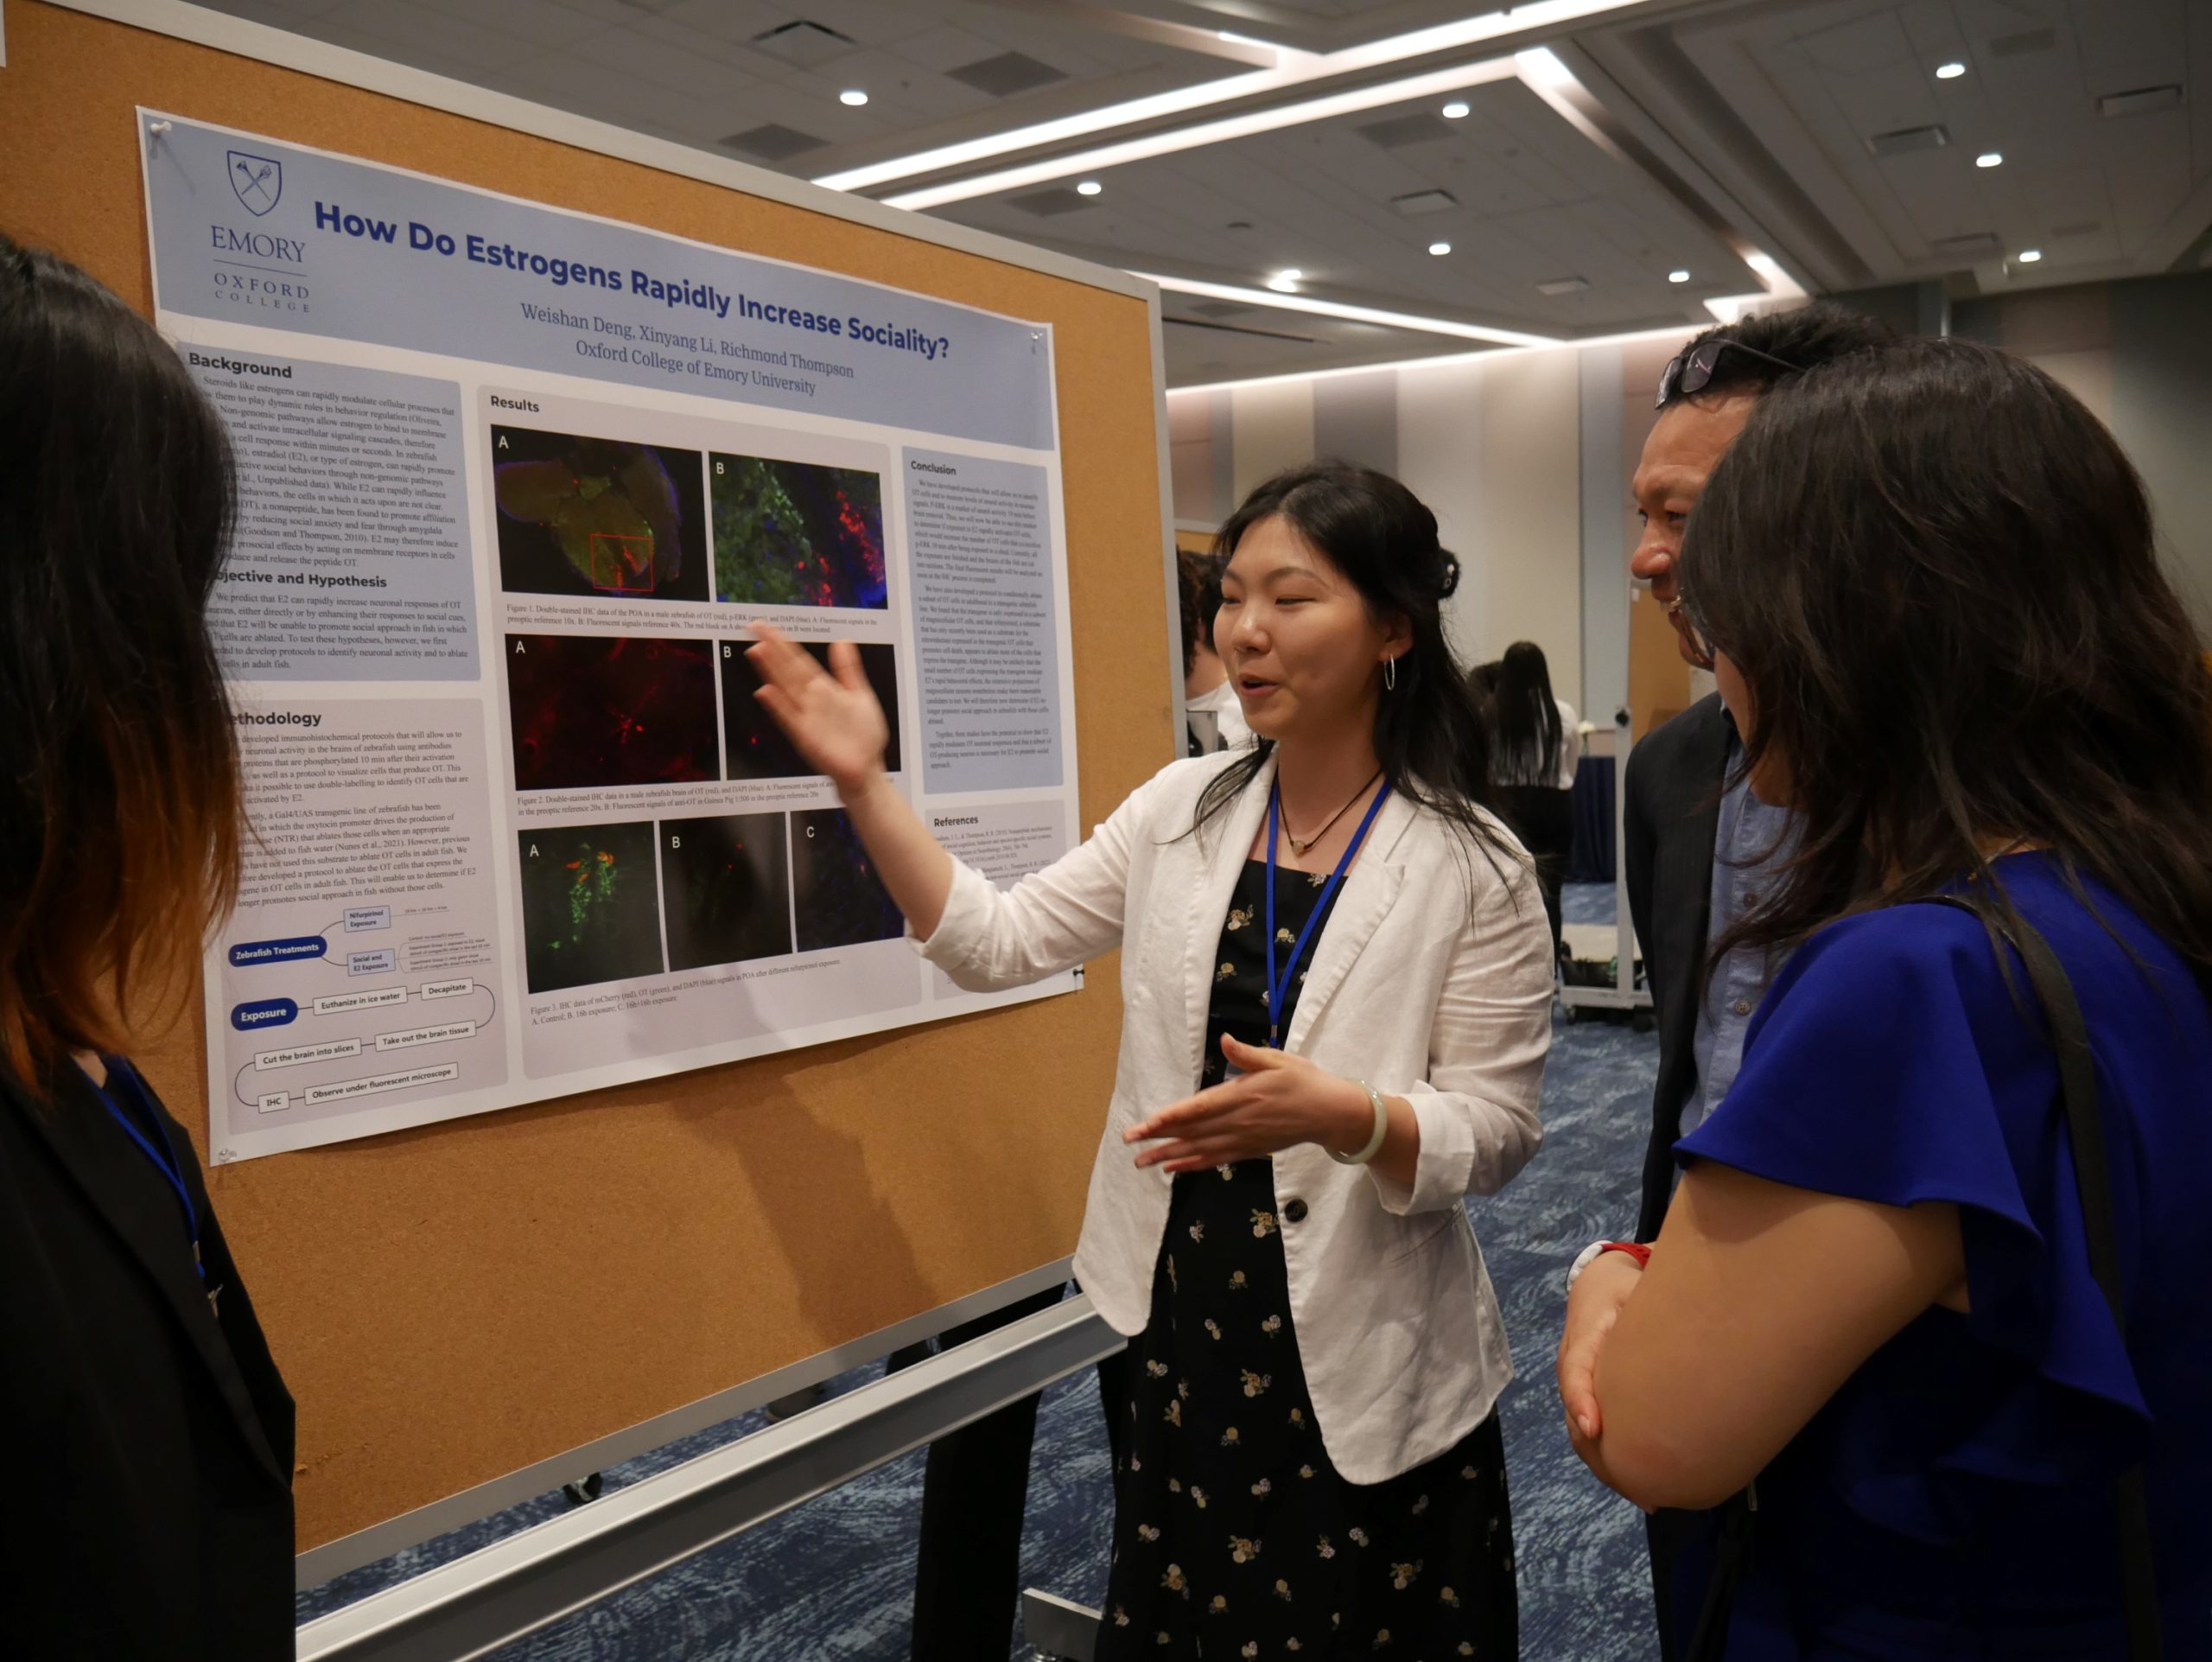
(264, 1013)
(278, 951)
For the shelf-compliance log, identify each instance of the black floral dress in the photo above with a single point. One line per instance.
(1234, 1536)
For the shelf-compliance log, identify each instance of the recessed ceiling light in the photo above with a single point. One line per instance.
(1454, 109)
(854, 96)
(2029, 255)
(1284, 283)
(1088, 187)
(1949, 71)
(1678, 277)
(1990, 159)
(1440, 248)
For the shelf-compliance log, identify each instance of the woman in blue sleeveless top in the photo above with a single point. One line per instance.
(1943, 632)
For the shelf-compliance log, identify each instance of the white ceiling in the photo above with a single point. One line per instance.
(1536, 203)
(1695, 131)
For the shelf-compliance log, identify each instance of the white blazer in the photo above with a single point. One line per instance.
(1432, 980)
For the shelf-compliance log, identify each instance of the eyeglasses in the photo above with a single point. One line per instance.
(1697, 636)
(1688, 373)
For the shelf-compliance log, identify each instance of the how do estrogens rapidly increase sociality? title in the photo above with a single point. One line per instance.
(669, 291)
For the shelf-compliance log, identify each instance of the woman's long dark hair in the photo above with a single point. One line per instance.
(1935, 571)
(1524, 720)
(119, 795)
(1429, 734)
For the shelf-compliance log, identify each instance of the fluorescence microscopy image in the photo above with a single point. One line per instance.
(599, 517)
(839, 900)
(589, 913)
(756, 748)
(726, 890)
(797, 534)
(610, 710)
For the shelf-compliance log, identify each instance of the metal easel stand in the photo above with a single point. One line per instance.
(1058, 1629)
(513, 1586)
(1623, 994)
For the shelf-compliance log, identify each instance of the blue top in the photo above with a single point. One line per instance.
(1959, 1483)
(1750, 834)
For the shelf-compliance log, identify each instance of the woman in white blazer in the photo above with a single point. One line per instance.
(1309, 1457)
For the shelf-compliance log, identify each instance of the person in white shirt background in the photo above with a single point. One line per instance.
(1310, 1456)
(1536, 741)
(1207, 693)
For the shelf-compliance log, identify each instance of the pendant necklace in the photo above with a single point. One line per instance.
(1299, 844)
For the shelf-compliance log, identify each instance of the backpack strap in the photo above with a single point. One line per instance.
(2078, 1089)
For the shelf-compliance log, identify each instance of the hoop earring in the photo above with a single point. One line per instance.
(1389, 675)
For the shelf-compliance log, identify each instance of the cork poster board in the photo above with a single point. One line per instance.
(455, 1301)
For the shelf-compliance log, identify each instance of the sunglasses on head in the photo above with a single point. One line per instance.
(1688, 373)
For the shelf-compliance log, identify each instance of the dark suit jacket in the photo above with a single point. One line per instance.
(1669, 816)
(147, 1440)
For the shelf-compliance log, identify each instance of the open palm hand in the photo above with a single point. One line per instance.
(831, 717)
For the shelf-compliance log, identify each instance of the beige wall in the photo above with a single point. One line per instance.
(1493, 449)
(1272, 428)
(1498, 447)
(1530, 511)
(1440, 458)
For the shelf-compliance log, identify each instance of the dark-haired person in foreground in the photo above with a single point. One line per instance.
(1336, 983)
(1695, 838)
(1927, 581)
(149, 1435)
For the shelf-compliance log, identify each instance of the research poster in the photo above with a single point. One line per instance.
(515, 483)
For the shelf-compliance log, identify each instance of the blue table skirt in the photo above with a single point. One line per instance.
(1590, 802)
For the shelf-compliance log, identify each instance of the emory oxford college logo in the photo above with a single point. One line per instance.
(257, 180)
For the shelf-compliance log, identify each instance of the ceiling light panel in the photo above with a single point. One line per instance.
(1007, 75)
(1292, 69)
(2143, 100)
(803, 45)
(1418, 204)
(1319, 308)
(1909, 141)
(772, 142)
(1207, 134)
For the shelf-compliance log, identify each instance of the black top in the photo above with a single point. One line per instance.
(1670, 814)
(1240, 979)
(149, 1435)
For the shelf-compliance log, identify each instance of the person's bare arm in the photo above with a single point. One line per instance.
(1760, 1300)
(836, 724)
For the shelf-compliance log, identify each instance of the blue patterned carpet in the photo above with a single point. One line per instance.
(830, 1582)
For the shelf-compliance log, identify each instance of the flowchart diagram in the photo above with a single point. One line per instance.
(340, 1039)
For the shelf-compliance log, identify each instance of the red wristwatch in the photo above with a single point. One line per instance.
(1641, 1254)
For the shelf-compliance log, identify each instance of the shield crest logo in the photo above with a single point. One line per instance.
(258, 180)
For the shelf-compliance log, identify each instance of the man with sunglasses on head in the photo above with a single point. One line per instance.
(1694, 838)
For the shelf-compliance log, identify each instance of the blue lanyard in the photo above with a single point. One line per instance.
(1278, 990)
(164, 1158)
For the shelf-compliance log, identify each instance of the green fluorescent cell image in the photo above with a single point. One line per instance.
(590, 904)
(794, 533)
